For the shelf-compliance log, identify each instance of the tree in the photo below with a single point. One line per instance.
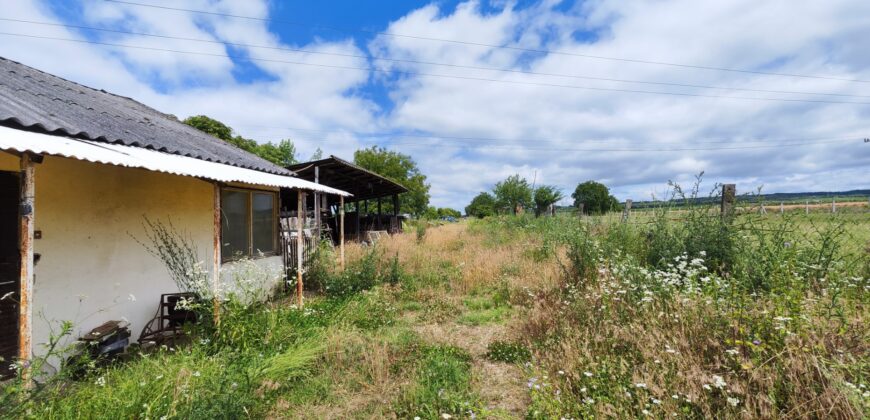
(481, 206)
(545, 196)
(399, 168)
(317, 155)
(595, 197)
(512, 192)
(281, 154)
(448, 212)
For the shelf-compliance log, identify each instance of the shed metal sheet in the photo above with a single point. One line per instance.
(137, 157)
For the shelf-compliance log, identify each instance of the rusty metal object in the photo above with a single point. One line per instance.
(25, 237)
(216, 259)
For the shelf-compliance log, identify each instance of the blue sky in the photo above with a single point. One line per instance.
(559, 122)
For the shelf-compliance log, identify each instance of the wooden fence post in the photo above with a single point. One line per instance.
(626, 212)
(833, 205)
(807, 208)
(729, 192)
(781, 208)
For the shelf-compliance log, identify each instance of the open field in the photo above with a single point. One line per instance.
(517, 317)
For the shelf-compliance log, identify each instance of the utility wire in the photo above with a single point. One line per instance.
(411, 73)
(534, 141)
(480, 44)
(609, 150)
(423, 62)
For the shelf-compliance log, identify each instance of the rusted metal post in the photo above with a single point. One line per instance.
(341, 231)
(300, 244)
(216, 256)
(25, 293)
(729, 192)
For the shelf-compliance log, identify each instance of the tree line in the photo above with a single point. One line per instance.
(515, 194)
(398, 167)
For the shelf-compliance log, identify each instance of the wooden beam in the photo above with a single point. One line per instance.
(216, 255)
(300, 244)
(341, 231)
(357, 221)
(25, 238)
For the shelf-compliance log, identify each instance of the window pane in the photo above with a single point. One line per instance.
(264, 223)
(234, 224)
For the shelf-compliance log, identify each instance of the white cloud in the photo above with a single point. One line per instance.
(549, 132)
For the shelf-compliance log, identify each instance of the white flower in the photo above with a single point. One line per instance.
(588, 401)
(197, 374)
(561, 372)
(733, 401)
(707, 387)
(446, 416)
(655, 401)
(718, 382)
(101, 381)
(588, 374)
(732, 352)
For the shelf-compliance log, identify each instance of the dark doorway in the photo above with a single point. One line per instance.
(9, 271)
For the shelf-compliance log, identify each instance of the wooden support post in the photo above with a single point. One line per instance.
(729, 192)
(216, 256)
(25, 237)
(807, 208)
(380, 225)
(396, 214)
(833, 205)
(317, 205)
(300, 246)
(341, 231)
(357, 222)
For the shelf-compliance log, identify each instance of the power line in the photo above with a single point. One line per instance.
(613, 150)
(410, 73)
(537, 141)
(480, 44)
(423, 62)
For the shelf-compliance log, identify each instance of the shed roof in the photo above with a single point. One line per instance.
(343, 175)
(37, 101)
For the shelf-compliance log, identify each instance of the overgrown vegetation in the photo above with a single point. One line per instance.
(676, 312)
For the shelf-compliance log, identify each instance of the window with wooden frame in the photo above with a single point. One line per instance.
(249, 223)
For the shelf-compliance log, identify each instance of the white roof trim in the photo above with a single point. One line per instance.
(137, 157)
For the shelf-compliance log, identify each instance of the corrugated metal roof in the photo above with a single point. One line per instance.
(339, 173)
(39, 101)
(135, 157)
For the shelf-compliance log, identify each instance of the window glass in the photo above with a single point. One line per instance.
(264, 224)
(234, 224)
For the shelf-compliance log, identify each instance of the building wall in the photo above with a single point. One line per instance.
(91, 267)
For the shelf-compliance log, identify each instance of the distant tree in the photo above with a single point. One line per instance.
(317, 155)
(481, 206)
(512, 192)
(545, 196)
(210, 126)
(448, 212)
(431, 213)
(400, 168)
(281, 154)
(595, 197)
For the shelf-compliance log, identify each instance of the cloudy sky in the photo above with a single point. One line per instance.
(629, 93)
